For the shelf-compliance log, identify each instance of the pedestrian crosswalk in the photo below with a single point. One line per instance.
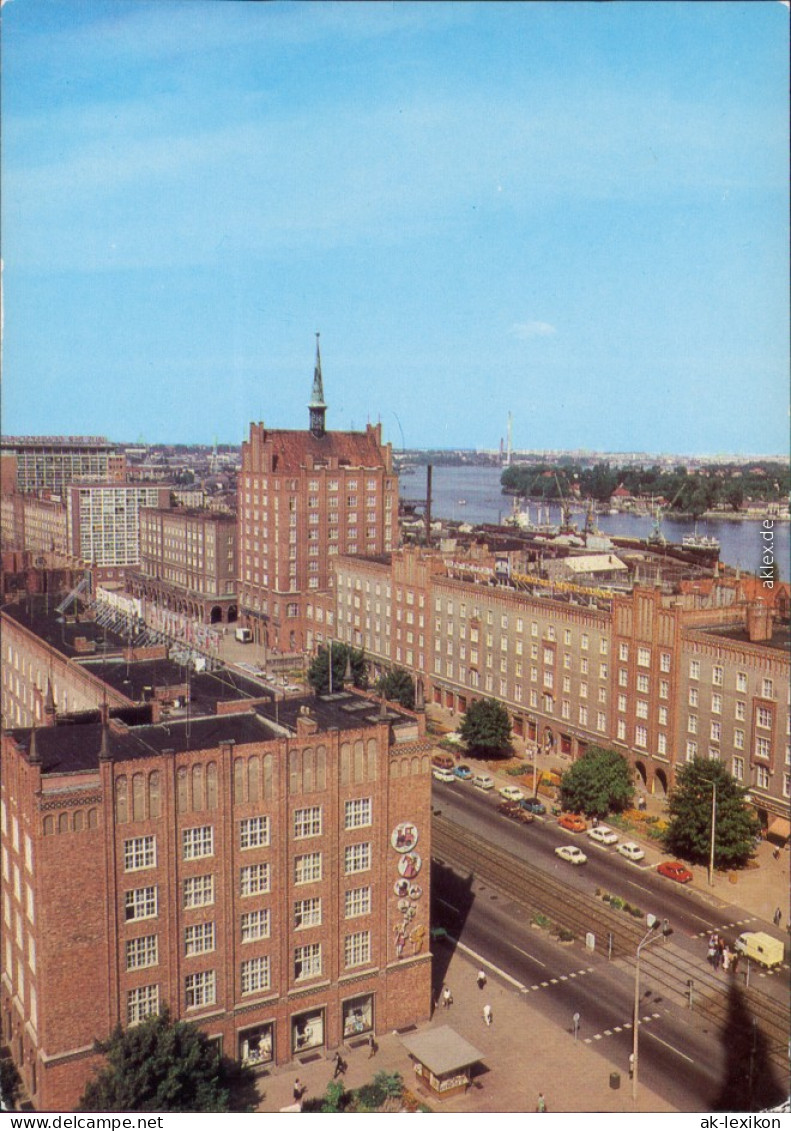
(625, 1028)
(559, 979)
(724, 927)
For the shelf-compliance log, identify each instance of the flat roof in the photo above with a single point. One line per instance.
(39, 615)
(442, 1050)
(780, 639)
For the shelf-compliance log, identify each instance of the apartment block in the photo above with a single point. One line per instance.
(103, 524)
(51, 463)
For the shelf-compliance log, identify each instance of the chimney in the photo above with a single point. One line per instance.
(759, 623)
(306, 723)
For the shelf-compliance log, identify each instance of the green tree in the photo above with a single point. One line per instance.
(600, 782)
(690, 804)
(486, 728)
(399, 687)
(319, 670)
(160, 1065)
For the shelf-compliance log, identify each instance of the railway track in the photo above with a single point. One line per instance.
(579, 913)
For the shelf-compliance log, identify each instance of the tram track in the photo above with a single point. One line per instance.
(579, 913)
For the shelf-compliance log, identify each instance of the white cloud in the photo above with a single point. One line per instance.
(532, 329)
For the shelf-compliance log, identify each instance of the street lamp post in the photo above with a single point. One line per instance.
(650, 936)
(713, 825)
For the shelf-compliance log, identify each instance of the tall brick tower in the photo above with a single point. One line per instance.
(305, 497)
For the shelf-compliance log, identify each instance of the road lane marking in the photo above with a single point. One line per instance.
(532, 957)
(485, 962)
(671, 1047)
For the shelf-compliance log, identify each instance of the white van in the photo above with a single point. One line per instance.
(761, 948)
(244, 635)
(483, 781)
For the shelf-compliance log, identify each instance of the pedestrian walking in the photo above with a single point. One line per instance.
(777, 918)
(711, 954)
(735, 956)
(631, 1065)
(298, 1089)
(726, 959)
(541, 1103)
(373, 1048)
(487, 1014)
(447, 998)
(481, 979)
(340, 1066)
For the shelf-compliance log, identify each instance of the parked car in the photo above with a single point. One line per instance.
(440, 774)
(675, 870)
(533, 805)
(571, 853)
(463, 772)
(572, 822)
(511, 793)
(630, 850)
(442, 762)
(515, 812)
(603, 835)
(483, 781)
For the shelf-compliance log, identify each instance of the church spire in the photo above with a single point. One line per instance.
(317, 406)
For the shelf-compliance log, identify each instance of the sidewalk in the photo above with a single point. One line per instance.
(544, 1058)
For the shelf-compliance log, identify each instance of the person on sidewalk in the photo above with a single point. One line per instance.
(777, 918)
(340, 1066)
(481, 979)
(298, 1090)
(447, 998)
(373, 1048)
(487, 1014)
(541, 1103)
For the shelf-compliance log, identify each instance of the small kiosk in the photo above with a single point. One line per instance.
(442, 1060)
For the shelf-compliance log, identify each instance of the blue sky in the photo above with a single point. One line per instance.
(573, 212)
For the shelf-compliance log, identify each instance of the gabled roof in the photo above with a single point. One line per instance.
(291, 449)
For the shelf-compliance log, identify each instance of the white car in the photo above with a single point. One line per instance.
(571, 853)
(603, 835)
(631, 850)
(511, 793)
(443, 775)
(483, 781)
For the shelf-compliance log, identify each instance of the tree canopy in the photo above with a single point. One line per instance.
(399, 687)
(319, 670)
(160, 1065)
(486, 728)
(600, 782)
(689, 806)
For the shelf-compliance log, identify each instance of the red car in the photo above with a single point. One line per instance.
(675, 870)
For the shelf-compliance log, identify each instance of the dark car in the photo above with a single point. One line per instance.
(533, 805)
(463, 772)
(514, 811)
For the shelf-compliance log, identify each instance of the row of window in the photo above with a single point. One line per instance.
(200, 988)
(254, 832)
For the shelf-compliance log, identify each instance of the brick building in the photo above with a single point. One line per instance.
(577, 666)
(304, 498)
(188, 563)
(264, 874)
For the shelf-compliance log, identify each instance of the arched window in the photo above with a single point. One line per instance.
(121, 808)
(268, 766)
(425, 764)
(321, 767)
(138, 797)
(253, 778)
(153, 794)
(373, 750)
(238, 781)
(346, 760)
(211, 785)
(182, 790)
(49, 826)
(63, 823)
(307, 770)
(197, 788)
(394, 768)
(77, 821)
(293, 771)
(415, 767)
(358, 760)
(93, 819)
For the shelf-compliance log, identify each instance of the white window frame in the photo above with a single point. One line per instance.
(197, 842)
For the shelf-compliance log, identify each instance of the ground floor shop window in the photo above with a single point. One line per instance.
(358, 1015)
(307, 1030)
(257, 1044)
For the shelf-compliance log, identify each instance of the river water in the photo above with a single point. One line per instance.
(479, 487)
